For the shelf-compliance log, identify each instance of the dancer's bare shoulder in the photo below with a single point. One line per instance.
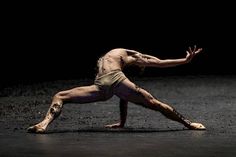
(117, 51)
(123, 52)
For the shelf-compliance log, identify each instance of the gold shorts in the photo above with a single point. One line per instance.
(109, 81)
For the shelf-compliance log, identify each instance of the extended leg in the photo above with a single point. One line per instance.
(53, 112)
(78, 95)
(130, 92)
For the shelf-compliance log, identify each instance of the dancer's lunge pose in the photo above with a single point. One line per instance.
(110, 80)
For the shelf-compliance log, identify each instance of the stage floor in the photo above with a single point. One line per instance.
(79, 131)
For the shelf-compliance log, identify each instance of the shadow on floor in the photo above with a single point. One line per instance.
(105, 130)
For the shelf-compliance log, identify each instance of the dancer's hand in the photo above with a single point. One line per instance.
(192, 52)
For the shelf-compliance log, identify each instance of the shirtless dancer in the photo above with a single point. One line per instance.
(110, 81)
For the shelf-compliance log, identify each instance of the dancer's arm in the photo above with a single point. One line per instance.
(123, 115)
(152, 61)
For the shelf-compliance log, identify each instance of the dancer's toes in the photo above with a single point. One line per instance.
(35, 129)
(197, 126)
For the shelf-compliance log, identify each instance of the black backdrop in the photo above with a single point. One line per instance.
(49, 42)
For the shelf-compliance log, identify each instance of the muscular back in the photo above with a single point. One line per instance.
(115, 59)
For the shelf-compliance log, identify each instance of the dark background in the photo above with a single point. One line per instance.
(63, 41)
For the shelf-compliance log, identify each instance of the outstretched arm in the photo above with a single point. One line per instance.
(151, 61)
(123, 115)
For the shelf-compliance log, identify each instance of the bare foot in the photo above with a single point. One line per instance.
(36, 129)
(197, 126)
(116, 125)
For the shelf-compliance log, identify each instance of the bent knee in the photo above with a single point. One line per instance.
(57, 96)
(60, 96)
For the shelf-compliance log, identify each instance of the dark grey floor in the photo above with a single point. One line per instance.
(79, 131)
